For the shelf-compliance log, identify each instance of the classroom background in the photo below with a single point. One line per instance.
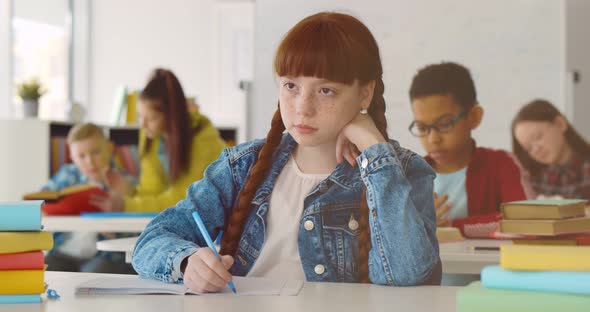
(85, 52)
(91, 57)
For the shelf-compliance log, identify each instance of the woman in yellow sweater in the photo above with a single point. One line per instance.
(175, 148)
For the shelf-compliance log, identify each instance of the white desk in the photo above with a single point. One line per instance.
(313, 297)
(118, 245)
(462, 258)
(79, 224)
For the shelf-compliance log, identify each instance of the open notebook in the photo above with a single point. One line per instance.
(134, 285)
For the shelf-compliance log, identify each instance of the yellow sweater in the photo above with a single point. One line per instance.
(154, 192)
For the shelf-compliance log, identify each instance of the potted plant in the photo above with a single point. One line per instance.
(30, 91)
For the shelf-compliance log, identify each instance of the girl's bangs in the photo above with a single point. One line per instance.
(319, 50)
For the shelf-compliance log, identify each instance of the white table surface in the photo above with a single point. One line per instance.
(457, 257)
(313, 297)
(462, 258)
(79, 224)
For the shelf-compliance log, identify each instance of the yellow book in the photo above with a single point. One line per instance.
(545, 258)
(448, 234)
(21, 282)
(131, 118)
(12, 242)
(55, 195)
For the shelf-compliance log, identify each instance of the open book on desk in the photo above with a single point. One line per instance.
(134, 285)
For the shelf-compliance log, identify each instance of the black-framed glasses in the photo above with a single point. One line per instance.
(444, 125)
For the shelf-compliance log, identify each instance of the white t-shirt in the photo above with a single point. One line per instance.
(279, 257)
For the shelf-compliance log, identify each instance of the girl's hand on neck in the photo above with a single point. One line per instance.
(355, 137)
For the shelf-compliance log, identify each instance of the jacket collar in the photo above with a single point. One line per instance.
(344, 175)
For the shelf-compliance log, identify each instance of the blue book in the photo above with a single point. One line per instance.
(118, 214)
(20, 298)
(567, 282)
(21, 215)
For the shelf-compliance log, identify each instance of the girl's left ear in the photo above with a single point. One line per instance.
(367, 92)
(561, 123)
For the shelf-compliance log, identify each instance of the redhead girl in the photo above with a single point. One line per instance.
(327, 196)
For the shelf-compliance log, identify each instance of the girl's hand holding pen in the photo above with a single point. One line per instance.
(205, 273)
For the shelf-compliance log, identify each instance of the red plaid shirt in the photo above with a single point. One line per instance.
(570, 181)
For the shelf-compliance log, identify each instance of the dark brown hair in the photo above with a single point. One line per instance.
(446, 78)
(331, 46)
(164, 89)
(542, 110)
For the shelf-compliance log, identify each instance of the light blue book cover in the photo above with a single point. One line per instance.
(567, 282)
(21, 215)
(20, 299)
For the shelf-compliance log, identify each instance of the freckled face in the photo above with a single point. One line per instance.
(315, 110)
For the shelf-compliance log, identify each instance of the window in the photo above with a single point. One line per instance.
(41, 37)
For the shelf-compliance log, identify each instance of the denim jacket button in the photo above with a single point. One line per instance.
(364, 163)
(353, 224)
(308, 225)
(319, 269)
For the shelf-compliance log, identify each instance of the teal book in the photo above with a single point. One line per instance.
(6, 299)
(21, 215)
(475, 297)
(568, 282)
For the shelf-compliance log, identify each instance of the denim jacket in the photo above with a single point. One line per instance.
(399, 194)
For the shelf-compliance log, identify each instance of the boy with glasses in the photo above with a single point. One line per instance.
(471, 181)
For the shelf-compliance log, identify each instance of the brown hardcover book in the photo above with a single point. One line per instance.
(544, 209)
(53, 195)
(546, 227)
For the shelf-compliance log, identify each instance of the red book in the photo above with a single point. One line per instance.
(73, 203)
(33, 260)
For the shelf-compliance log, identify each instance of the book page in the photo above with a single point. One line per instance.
(128, 285)
(258, 286)
(134, 285)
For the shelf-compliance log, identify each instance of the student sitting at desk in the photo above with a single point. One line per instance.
(470, 180)
(175, 148)
(332, 199)
(555, 154)
(91, 155)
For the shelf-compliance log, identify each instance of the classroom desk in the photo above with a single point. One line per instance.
(79, 224)
(118, 245)
(457, 257)
(313, 297)
(462, 258)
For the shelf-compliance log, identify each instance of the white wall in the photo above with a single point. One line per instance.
(513, 47)
(578, 59)
(81, 52)
(130, 38)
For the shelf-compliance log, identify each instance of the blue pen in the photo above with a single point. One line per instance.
(207, 238)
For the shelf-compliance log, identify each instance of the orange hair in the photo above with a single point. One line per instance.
(332, 46)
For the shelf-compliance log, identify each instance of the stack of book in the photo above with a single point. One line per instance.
(21, 258)
(532, 278)
(546, 222)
